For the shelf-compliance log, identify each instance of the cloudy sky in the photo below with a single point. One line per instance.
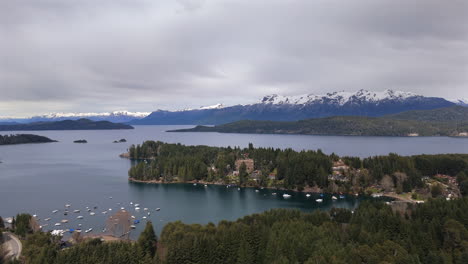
(142, 55)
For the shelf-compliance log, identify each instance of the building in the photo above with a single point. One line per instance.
(249, 163)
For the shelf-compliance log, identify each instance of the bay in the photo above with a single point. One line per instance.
(39, 178)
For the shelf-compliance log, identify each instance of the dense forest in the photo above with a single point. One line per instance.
(81, 124)
(434, 232)
(290, 169)
(449, 121)
(23, 139)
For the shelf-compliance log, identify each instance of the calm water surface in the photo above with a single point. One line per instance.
(39, 178)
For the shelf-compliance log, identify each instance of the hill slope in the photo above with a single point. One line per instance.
(352, 125)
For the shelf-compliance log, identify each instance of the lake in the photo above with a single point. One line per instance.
(39, 178)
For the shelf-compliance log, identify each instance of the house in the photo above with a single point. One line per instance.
(339, 166)
(249, 163)
(271, 176)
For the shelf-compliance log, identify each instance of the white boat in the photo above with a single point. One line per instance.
(286, 195)
(157, 209)
(194, 184)
(54, 211)
(137, 208)
(273, 194)
(133, 216)
(79, 224)
(104, 212)
(145, 209)
(319, 200)
(64, 221)
(88, 230)
(34, 215)
(149, 213)
(238, 189)
(308, 195)
(58, 224)
(110, 209)
(136, 205)
(206, 185)
(334, 197)
(76, 211)
(131, 202)
(144, 217)
(256, 190)
(121, 208)
(67, 205)
(79, 217)
(92, 213)
(89, 210)
(110, 197)
(133, 226)
(47, 219)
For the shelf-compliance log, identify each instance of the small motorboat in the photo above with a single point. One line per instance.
(88, 230)
(206, 185)
(133, 216)
(67, 205)
(121, 208)
(137, 205)
(92, 213)
(286, 195)
(194, 184)
(47, 219)
(158, 209)
(76, 211)
(64, 221)
(104, 212)
(58, 224)
(334, 198)
(110, 197)
(238, 189)
(144, 217)
(137, 208)
(54, 211)
(256, 190)
(273, 194)
(319, 200)
(35, 215)
(133, 226)
(342, 196)
(145, 209)
(308, 195)
(79, 217)
(110, 209)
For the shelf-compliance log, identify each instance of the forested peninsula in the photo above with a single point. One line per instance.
(418, 177)
(81, 124)
(432, 233)
(23, 139)
(451, 121)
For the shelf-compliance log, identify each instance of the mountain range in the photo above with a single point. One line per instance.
(116, 117)
(271, 107)
(293, 108)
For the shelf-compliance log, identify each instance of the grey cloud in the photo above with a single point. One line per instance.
(143, 55)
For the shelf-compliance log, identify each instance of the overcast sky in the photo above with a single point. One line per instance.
(142, 55)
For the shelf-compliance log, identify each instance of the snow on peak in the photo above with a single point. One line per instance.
(216, 106)
(459, 101)
(340, 98)
(84, 115)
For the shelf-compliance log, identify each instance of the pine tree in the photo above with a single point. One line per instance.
(147, 240)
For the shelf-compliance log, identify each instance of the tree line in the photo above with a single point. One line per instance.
(23, 139)
(434, 232)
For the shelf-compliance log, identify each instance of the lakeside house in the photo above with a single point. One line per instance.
(249, 163)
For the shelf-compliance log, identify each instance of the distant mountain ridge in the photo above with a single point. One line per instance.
(115, 116)
(81, 124)
(293, 108)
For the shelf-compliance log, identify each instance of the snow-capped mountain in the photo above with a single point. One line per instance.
(116, 116)
(338, 98)
(290, 108)
(462, 101)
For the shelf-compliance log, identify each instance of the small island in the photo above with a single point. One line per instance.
(80, 141)
(80, 124)
(120, 141)
(23, 139)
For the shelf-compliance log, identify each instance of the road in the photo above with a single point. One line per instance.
(12, 245)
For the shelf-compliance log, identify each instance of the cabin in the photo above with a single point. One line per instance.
(249, 163)
(339, 166)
